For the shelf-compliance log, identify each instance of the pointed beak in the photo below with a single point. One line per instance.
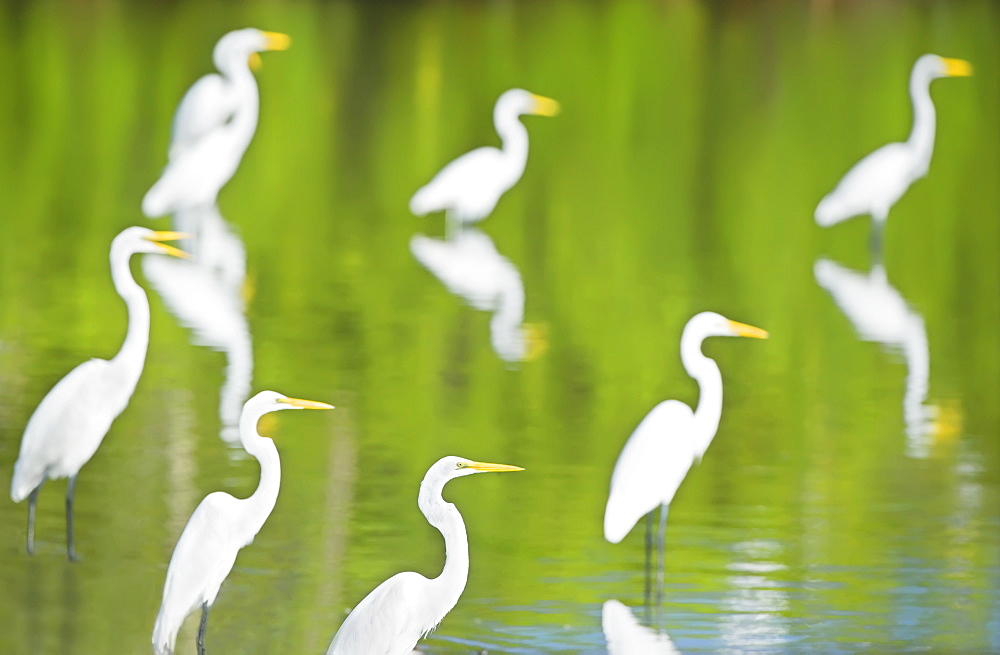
(156, 237)
(485, 467)
(957, 67)
(277, 41)
(544, 106)
(305, 404)
(744, 330)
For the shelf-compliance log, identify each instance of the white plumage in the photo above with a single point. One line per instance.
(72, 419)
(213, 126)
(469, 187)
(875, 183)
(404, 608)
(661, 450)
(219, 527)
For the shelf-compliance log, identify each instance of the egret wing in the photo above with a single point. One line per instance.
(389, 621)
(208, 104)
(469, 186)
(650, 468)
(872, 185)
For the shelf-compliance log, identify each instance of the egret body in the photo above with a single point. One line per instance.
(404, 608)
(876, 182)
(469, 187)
(69, 424)
(661, 450)
(213, 126)
(220, 526)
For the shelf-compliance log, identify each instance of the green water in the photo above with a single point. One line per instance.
(694, 144)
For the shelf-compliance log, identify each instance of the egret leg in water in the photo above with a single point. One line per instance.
(70, 489)
(201, 628)
(32, 501)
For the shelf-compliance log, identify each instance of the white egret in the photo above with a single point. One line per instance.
(220, 526)
(879, 313)
(470, 267)
(213, 126)
(876, 182)
(392, 618)
(69, 424)
(661, 450)
(469, 187)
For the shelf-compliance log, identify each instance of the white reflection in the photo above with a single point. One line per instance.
(471, 268)
(880, 314)
(206, 295)
(626, 636)
(755, 603)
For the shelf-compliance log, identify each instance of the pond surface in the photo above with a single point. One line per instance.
(851, 498)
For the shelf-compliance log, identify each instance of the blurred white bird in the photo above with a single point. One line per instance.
(626, 636)
(69, 424)
(879, 313)
(661, 450)
(213, 126)
(876, 182)
(220, 527)
(404, 608)
(470, 266)
(469, 187)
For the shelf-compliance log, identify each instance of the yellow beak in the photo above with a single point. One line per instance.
(277, 41)
(492, 468)
(545, 106)
(156, 237)
(957, 67)
(305, 404)
(744, 330)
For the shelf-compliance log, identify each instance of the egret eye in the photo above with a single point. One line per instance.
(460, 465)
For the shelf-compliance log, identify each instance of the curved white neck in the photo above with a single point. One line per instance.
(132, 356)
(921, 140)
(706, 372)
(258, 506)
(515, 142)
(244, 123)
(446, 518)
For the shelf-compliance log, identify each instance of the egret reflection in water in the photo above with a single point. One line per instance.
(206, 295)
(469, 266)
(880, 314)
(626, 636)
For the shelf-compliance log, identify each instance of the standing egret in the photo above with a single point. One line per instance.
(876, 182)
(469, 187)
(71, 421)
(219, 527)
(392, 618)
(213, 126)
(671, 438)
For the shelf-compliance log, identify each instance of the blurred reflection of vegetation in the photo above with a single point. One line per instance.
(682, 176)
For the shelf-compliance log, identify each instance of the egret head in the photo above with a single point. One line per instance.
(272, 401)
(934, 66)
(242, 46)
(519, 101)
(710, 324)
(455, 467)
(134, 240)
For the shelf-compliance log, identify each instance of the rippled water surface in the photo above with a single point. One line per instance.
(851, 499)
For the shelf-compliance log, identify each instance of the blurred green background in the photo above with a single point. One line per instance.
(696, 139)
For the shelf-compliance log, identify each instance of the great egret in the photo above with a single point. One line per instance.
(469, 187)
(671, 438)
(219, 527)
(876, 182)
(69, 424)
(470, 267)
(404, 608)
(213, 126)
(879, 313)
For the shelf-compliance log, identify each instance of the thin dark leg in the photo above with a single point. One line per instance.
(875, 241)
(32, 501)
(661, 553)
(649, 560)
(70, 550)
(201, 629)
